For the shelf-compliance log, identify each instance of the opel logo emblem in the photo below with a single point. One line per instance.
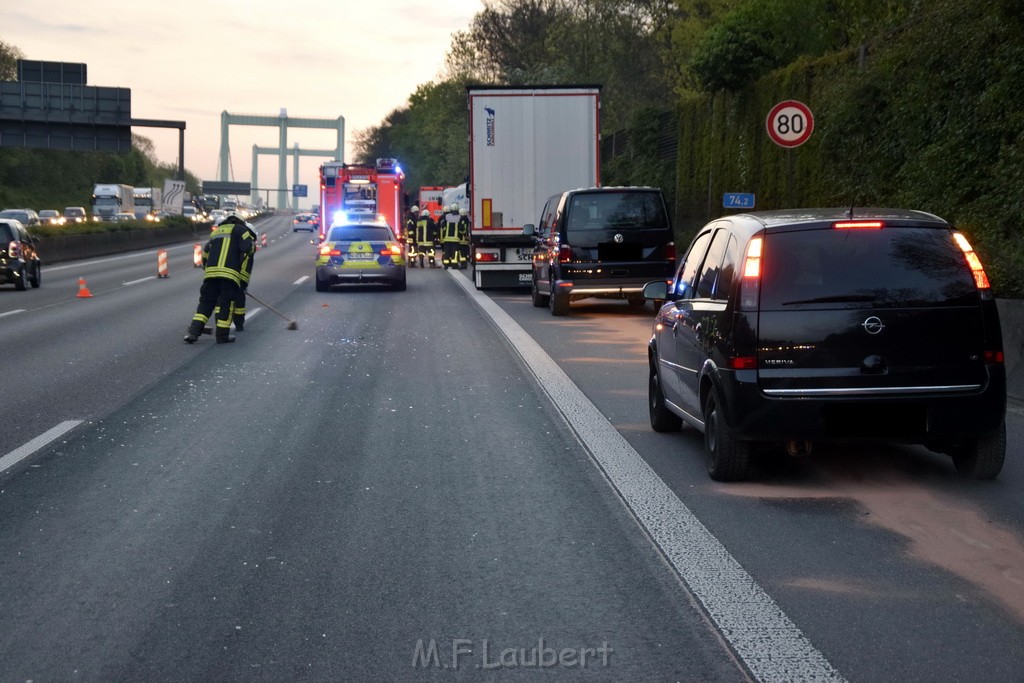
(873, 325)
(618, 238)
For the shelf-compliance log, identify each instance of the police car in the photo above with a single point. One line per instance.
(360, 249)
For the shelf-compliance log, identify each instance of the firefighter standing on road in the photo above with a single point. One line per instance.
(245, 272)
(463, 231)
(450, 238)
(230, 242)
(410, 235)
(426, 233)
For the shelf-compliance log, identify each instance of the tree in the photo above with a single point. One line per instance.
(9, 56)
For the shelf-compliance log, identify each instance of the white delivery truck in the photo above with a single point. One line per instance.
(147, 202)
(526, 143)
(112, 198)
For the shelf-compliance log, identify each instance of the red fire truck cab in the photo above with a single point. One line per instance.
(354, 189)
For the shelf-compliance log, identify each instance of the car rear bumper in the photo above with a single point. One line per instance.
(917, 416)
(335, 275)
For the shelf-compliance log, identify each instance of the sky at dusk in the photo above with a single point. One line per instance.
(190, 60)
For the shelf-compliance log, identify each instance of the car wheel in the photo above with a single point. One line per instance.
(558, 302)
(727, 458)
(662, 419)
(22, 282)
(321, 285)
(539, 300)
(37, 276)
(981, 457)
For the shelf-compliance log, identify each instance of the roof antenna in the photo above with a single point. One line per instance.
(849, 214)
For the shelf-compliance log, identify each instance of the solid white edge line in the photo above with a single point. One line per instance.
(301, 280)
(19, 454)
(16, 310)
(770, 645)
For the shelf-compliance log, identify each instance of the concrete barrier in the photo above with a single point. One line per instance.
(1011, 317)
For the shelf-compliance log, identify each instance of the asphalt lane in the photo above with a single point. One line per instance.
(382, 493)
(892, 566)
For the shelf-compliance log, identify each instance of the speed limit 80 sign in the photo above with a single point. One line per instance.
(790, 123)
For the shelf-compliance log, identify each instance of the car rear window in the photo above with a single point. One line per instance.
(627, 210)
(893, 266)
(15, 214)
(360, 233)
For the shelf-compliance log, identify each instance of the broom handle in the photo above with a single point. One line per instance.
(264, 303)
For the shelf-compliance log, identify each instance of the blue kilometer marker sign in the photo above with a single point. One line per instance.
(738, 200)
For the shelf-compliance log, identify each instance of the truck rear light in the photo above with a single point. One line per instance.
(980, 279)
(858, 225)
(670, 251)
(486, 257)
(14, 249)
(564, 253)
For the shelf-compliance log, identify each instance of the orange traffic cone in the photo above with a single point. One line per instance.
(197, 256)
(264, 240)
(83, 291)
(161, 263)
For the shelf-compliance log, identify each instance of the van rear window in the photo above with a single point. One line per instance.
(893, 266)
(625, 210)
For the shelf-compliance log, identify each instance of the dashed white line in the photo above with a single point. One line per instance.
(771, 646)
(301, 280)
(16, 310)
(19, 454)
(141, 279)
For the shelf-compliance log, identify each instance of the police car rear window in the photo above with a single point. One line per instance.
(890, 267)
(359, 233)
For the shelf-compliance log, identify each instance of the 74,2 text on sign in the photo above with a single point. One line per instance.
(790, 123)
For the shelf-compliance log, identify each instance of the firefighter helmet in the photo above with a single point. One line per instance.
(415, 209)
(462, 212)
(424, 213)
(453, 207)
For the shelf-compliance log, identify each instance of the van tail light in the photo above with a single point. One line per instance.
(564, 253)
(14, 249)
(750, 284)
(993, 357)
(858, 225)
(980, 279)
(670, 251)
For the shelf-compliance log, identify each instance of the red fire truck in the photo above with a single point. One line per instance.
(360, 188)
(430, 199)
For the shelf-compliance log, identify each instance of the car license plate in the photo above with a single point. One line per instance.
(356, 256)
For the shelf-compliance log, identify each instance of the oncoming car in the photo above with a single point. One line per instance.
(358, 252)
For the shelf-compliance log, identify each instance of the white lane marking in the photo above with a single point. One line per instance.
(16, 310)
(141, 279)
(764, 637)
(301, 280)
(19, 454)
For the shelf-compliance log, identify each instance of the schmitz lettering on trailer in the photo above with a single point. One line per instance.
(490, 126)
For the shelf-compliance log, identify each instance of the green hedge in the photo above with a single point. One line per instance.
(933, 120)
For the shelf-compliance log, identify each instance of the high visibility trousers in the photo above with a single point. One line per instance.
(215, 292)
(463, 254)
(449, 255)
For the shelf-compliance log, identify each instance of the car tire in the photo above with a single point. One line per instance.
(321, 285)
(981, 457)
(21, 284)
(662, 419)
(539, 300)
(727, 457)
(558, 303)
(36, 278)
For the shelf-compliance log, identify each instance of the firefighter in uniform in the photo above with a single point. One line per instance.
(463, 232)
(410, 235)
(426, 233)
(450, 238)
(245, 272)
(230, 242)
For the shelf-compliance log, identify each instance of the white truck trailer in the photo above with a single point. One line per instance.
(112, 198)
(526, 143)
(147, 202)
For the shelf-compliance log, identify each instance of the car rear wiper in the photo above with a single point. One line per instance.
(844, 298)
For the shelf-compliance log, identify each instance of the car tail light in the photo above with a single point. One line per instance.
(14, 249)
(564, 253)
(743, 362)
(980, 279)
(326, 250)
(393, 250)
(750, 285)
(859, 225)
(993, 357)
